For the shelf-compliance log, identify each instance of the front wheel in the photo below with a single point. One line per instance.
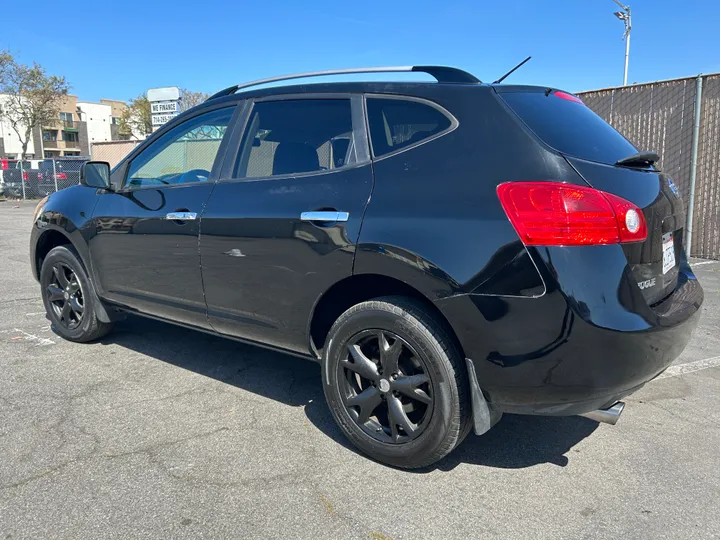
(66, 293)
(396, 383)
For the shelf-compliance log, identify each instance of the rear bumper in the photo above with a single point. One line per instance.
(572, 350)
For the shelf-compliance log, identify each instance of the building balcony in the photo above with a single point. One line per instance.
(61, 145)
(67, 125)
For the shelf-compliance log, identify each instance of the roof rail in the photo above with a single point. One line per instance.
(443, 74)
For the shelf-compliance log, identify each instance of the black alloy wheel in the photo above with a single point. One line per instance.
(396, 382)
(385, 387)
(65, 295)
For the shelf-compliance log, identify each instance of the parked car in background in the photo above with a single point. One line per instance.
(448, 252)
(21, 178)
(59, 173)
(5, 164)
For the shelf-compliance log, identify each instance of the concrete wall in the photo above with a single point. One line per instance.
(99, 120)
(113, 151)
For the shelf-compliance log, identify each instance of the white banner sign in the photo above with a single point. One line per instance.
(169, 93)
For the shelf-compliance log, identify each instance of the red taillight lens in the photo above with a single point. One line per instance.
(3, 164)
(61, 176)
(557, 214)
(25, 176)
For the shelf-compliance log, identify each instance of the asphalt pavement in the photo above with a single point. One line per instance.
(160, 432)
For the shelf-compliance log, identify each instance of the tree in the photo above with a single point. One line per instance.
(191, 99)
(136, 119)
(33, 98)
(5, 60)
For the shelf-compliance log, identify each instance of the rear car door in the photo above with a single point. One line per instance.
(282, 223)
(145, 245)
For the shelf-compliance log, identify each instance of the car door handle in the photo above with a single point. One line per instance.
(181, 216)
(326, 216)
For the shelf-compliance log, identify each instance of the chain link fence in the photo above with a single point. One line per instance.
(36, 178)
(661, 116)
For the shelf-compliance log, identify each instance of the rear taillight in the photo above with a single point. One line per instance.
(25, 176)
(557, 214)
(3, 164)
(61, 176)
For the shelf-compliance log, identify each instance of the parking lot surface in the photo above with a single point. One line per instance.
(160, 432)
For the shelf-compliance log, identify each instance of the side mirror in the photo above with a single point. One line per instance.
(95, 174)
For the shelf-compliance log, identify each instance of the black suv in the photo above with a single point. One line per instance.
(447, 251)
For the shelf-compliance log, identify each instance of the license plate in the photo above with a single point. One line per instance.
(668, 253)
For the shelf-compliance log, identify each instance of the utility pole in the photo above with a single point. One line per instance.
(624, 16)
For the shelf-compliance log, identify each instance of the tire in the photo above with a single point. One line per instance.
(429, 380)
(64, 282)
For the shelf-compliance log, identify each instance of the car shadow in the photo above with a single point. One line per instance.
(515, 442)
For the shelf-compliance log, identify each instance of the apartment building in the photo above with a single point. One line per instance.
(78, 126)
(10, 145)
(117, 108)
(68, 136)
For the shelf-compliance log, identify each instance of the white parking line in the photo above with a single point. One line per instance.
(690, 367)
(36, 339)
(704, 262)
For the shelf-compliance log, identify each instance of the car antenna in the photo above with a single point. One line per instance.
(501, 79)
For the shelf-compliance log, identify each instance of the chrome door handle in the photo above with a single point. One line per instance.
(327, 216)
(181, 216)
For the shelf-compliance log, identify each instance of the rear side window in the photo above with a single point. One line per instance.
(297, 137)
(568, 126)
(398, 123)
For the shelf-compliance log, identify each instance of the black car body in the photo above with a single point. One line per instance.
(407, 179)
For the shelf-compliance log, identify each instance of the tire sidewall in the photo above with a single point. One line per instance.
(64, 255)
(444, 392)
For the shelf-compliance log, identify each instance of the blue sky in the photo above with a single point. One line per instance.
(119, 49)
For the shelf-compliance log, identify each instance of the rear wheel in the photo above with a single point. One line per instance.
(397, 387)
(68, 301)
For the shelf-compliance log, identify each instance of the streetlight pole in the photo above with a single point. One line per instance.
(625, 17)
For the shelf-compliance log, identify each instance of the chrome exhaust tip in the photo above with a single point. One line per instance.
(607, 416)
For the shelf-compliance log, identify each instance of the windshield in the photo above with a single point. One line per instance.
(563, 122)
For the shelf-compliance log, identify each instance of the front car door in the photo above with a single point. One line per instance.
(265, 260)
(145, 248)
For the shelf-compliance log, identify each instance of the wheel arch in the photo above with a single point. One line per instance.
(360, 288)
(47, 240)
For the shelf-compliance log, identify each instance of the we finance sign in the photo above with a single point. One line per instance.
(164, 104)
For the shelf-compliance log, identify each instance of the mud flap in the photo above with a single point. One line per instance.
(484, 417)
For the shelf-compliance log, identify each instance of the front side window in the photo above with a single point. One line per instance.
(184, 155)
(398, 123)
(297, 137)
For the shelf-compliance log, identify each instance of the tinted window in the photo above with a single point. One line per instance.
(183, 155)
(297, 136)
(569, 126)
(396, 123)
